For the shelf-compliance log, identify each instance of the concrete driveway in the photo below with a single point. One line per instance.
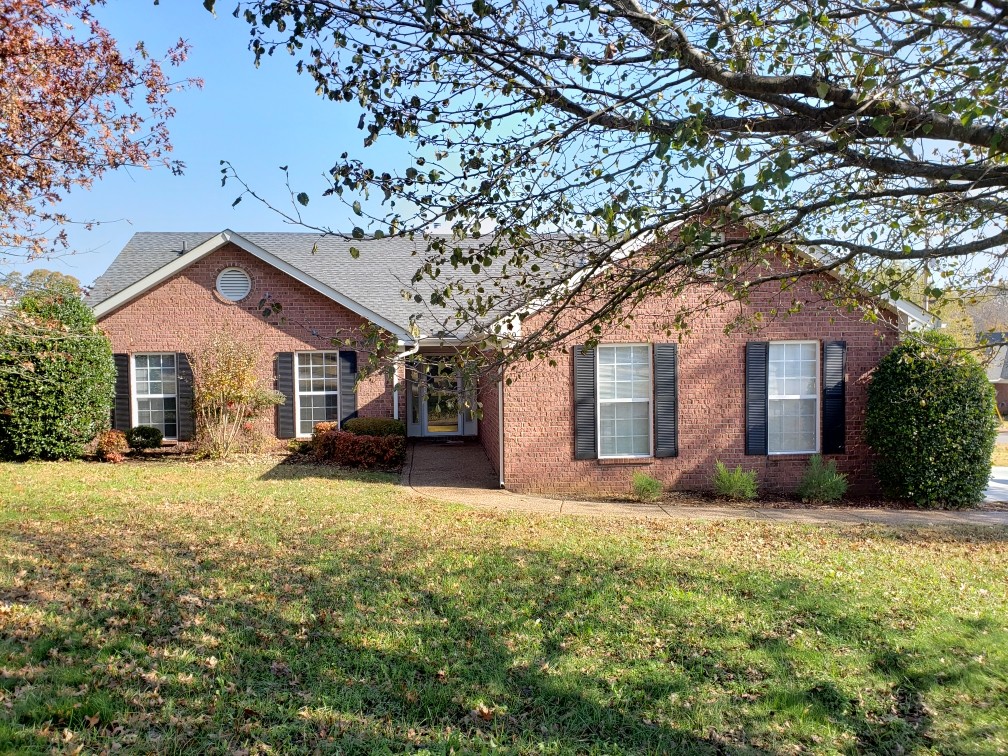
(997, 490)
(461, 473)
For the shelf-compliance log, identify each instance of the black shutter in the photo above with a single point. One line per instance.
(122, 410)
(834, 413)
(285, 385)
(666, 390)
(757, 355)
(184, 403)
(347, 386)
(584, 404)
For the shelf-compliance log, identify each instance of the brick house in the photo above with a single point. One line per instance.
(639, 401)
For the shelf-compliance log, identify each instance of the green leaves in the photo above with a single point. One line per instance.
(882, 124)
(302, 199)
(931, 420)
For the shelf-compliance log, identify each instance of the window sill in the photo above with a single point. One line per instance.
(624, 460)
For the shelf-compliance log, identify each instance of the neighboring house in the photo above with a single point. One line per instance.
(640, 401)
(997, 367)
(990, 320)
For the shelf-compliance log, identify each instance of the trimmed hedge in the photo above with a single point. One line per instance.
(375, 426)
(351, 450)
(57, 378)
(142, 437)
(931, 420)
(320, 429)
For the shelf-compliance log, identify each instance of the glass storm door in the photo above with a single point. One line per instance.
(442, 413)
(435, 408)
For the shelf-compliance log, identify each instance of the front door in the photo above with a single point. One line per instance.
(434, 398)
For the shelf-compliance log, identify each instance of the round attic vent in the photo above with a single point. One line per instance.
(234, 284)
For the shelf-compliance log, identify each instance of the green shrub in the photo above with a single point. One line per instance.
(111, 445)
(737, 484)
(645, 488)
(351, 450)
(375, 426)
(143, 437)
(931, 421)
(57, 377)
(822, 482)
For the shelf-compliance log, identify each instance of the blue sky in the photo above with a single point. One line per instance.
(258, 119)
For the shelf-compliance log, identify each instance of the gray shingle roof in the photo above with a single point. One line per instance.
(376, 279)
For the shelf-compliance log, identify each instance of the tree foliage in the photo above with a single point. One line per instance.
(73, 106)
(15, 285)
(57, 377)
(870, 132)
(931, 421)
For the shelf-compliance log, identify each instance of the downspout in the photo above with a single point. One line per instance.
(500, 428)
(401, 357)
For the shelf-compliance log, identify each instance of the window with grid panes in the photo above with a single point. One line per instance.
(793, 397)
(156, 392)
(318, 389)
(624, 400)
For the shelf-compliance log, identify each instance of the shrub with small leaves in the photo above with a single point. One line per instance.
(350, 450)
(932, 422)
(57, 377)
(111, 445)
(375, 426)
(821, 482)
(737, 484)
(320, 429)
(143, 437)
(645, 488)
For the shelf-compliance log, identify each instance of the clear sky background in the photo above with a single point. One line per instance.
(258, 119)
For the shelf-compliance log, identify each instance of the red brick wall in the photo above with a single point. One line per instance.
(1001, 391)
(538, 406)
(489, 425)
(180, 313)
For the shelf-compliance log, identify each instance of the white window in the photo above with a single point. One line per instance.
(624, 400)
(793, 397)
(155, 392)
(317, 389)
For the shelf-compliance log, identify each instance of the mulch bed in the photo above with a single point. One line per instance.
(703, 499)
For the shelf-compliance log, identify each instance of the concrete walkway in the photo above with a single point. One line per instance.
(460, 473)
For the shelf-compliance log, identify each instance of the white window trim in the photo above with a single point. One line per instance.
(818, 398)
(650, 401)
(134, 405)
(297, 390)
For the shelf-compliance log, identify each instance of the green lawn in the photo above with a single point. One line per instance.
(176, 607)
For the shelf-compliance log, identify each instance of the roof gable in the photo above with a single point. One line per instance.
(177, 261)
